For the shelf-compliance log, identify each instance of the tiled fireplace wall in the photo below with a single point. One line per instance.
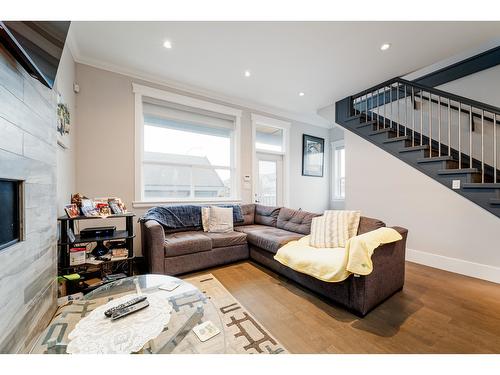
(28, 152)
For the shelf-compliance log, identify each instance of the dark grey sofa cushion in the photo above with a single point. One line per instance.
(249, 228)
(186, 243)
(248, 212)
(295, 220)
(271, 239)
(227, 239)
(367, 224)
(266, 215)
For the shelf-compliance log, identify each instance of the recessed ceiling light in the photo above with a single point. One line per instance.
(167, 44)
(385, 46)
(247, 73)
(301, 94)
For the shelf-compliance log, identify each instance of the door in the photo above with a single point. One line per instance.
(269, 190)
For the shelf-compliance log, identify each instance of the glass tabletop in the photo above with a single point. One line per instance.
(190, 307)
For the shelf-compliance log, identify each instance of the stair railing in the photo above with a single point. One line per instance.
(416, 112)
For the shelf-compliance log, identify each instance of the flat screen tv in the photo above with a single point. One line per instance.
(36, 45)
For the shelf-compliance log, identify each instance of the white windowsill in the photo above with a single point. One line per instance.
(149, 204)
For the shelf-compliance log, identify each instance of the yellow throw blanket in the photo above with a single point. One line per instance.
(335, 264)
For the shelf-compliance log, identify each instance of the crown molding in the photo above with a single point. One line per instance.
(313, 120)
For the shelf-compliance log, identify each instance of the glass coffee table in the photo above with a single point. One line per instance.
(190, 307)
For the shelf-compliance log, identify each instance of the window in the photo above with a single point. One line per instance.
(268, 138)
(187, 153)
(270, 162)
(338, 170)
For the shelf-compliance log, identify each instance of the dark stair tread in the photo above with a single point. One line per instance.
(371, 122)
(380, 131)
(355, 117)
(414, 148)
(436, 158)
(459, 171)
(479, 185)
(495, 201)
(397, 139)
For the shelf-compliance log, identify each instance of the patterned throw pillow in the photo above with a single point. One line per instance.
(220, 219)
(334, 228)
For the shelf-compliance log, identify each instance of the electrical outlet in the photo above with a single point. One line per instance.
(455, 185)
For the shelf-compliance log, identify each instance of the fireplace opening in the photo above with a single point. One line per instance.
(10, 212)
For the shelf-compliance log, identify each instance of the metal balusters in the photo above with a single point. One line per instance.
(494, 147)
(363, 105)
(459, 137)
(413, 116)
(368, 105)
(367, 109)
(397, 103)
(430, 124)
(439, 126)
(406, 112)
(385, 115)
(482, 146)
(449, 127)
(470, 137)
(378, 108)
(421, 118)
(390, 98)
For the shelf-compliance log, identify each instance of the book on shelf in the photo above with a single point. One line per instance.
(77, 256)
(93, 261)
(119, 253)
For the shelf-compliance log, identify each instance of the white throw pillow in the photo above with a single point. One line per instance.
(205, 218)
(334, 228)
(220, 219)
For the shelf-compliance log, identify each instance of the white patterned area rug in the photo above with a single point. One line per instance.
(244, 333)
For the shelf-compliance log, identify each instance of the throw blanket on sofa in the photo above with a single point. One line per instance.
(335, 264)
(183, 216)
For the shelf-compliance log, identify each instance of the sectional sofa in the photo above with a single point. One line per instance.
(258, 238)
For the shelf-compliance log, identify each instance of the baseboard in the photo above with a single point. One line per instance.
(463, 267)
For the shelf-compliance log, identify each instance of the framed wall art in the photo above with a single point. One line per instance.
(313, 156)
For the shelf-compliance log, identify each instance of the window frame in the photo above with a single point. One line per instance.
(337, 145)
(141, 91)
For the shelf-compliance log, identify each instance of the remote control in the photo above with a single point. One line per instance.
(129, 310)
(129, 303)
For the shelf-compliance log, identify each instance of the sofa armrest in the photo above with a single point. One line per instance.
(387, 277)
(153, 240)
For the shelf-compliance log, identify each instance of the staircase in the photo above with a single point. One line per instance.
(450, 138)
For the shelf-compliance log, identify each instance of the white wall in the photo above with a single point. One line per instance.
(105, 151)
(445, 230)
(66, 161)
(481, 86)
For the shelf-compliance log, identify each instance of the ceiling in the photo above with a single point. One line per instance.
(325, 60)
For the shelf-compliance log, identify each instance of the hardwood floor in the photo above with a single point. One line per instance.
(437, 312)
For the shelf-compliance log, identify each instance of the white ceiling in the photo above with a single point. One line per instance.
(325, 60)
